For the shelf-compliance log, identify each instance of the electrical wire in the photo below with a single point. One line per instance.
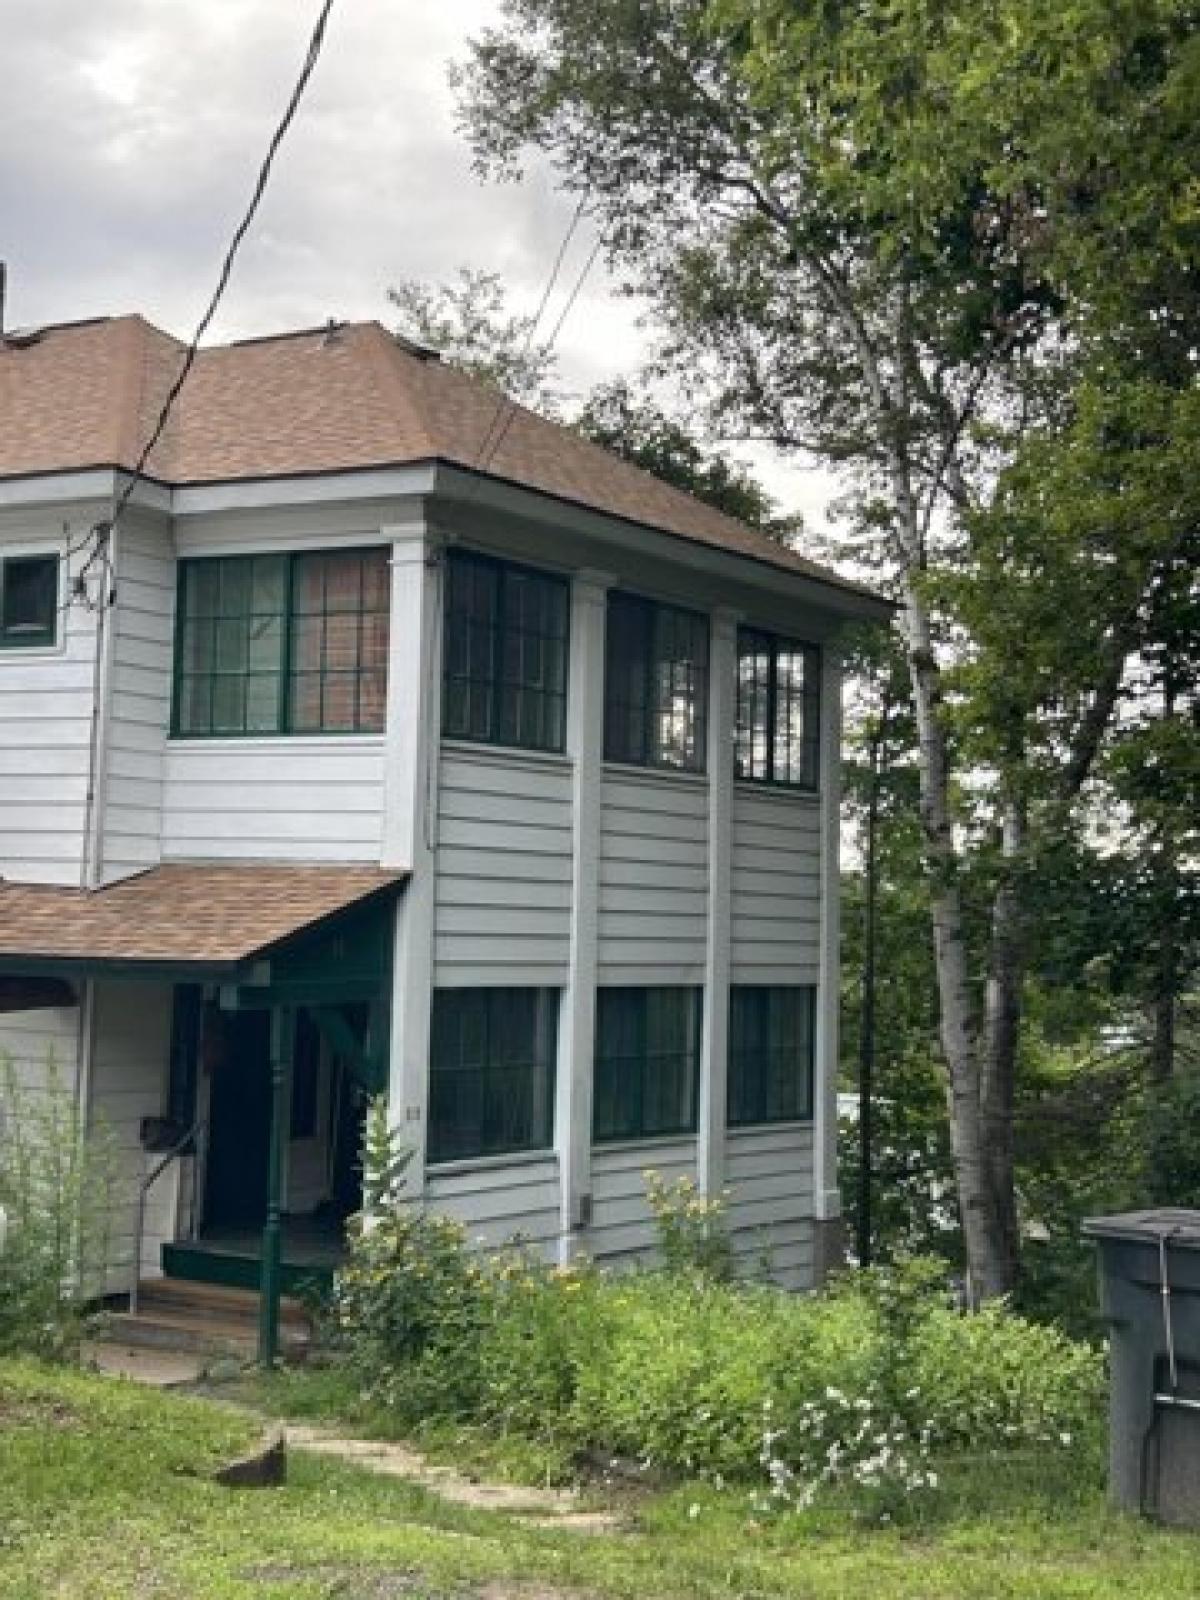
(138, 474)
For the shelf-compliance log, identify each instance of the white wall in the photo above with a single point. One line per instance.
(502, 912)
(768, 1173)
(141, 667)
(279, 799)
(775, 932)
(130, 1064)
(494, 1200)
(653, 877)
(622, 1227)
(45, 723)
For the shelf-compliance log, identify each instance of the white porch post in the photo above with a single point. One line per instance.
(410, 820)
(577, 1018)
(827, 1203)
(714, 1050)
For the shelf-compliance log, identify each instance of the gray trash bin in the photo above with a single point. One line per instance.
(1150, 1298)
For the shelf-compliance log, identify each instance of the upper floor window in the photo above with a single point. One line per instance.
(505, 658)
(778, 689)
(655, 684)
(771, 1032)
(28, 601)
(647, 1062)
(491, 1072)
(283, 643)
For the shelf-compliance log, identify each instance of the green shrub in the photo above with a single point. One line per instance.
(691, 1230)
(55, 1192)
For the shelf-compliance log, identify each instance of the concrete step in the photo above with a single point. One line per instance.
(161, 1330)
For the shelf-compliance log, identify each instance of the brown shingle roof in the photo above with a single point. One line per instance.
(86, 395)
(182, 914)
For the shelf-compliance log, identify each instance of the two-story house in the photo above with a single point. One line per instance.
(397, 740)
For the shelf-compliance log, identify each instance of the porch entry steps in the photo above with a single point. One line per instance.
(238, 1264)
(206, 1319)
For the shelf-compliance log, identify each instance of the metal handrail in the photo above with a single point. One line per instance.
(193, 1135)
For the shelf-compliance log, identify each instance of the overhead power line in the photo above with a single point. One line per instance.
(264, 173)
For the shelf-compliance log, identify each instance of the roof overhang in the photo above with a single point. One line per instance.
(188, 921)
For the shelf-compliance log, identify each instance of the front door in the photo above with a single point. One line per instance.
(239, 1123)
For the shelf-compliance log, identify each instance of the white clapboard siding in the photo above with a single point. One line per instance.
(130, 1062)
(775, 882)
(653, 878)
(622, 1227)
(38, 1052)
(280, 799)
(769, 1176)
(502, 911)
(140, 701)
(46, 699)
(497, 1202)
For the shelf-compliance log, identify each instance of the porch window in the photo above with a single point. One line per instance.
(778, 689)
(292, 643)
(771, 1036)
(28, 601)
(647, 1063)
(505, 658)
(491, 1072)
(655, 684)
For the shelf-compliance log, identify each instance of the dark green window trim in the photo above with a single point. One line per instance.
(293, 643)
(492, 1062)
(777, 730)
(772, 1035)
(647, 1063)
(504, 660)
(28, 602)
(655, 684)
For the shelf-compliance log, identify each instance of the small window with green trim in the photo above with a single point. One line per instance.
(28, 601)
(505, 656)
(647, 1063)
(491, 1072)
(771, 1050)
(778, 698)
(293, 643)
(655, 684)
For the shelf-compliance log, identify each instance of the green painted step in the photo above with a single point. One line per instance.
(200, 1265)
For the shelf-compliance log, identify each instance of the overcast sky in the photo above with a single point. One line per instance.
(131, 131)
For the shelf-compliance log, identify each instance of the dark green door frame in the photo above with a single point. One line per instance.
(283, 1037)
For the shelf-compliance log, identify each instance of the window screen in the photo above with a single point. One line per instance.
(656, 684)
(647, 1062)
(28, 601)
(778, 690)
(770, 1054)
(491, 1073)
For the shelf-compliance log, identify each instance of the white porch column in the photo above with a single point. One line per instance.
(714, 1050)
(577, 1017)
(410, 821)
(827, 1203)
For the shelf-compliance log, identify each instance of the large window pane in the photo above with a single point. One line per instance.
(771, 1037)
(505, 655)
(28, 601)
(491, 1076)
(283, 644)
(656, 684)
(646, 1062)
(778, 696)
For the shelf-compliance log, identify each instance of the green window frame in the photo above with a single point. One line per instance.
(772, 1036)
(655, 684)
(295, 643)
(777, 727)
(492, 1063)
(504, 659)
(28, 602)
(647, 1063)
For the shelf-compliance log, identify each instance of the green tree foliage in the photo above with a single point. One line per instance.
(923, 243)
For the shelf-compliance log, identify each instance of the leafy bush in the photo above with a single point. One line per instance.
(691, 1229)
(55, 1184)
(687, 1373)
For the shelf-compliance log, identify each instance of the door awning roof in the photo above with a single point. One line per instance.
(201, 919)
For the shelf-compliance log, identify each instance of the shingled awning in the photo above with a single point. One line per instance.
(201, 920)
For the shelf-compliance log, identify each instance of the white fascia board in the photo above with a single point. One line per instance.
(383, 483)
(459, 489)
(57, 489)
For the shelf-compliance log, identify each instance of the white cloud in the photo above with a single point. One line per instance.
(131, 131)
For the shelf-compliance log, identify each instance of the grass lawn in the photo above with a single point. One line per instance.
(104, 1493)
